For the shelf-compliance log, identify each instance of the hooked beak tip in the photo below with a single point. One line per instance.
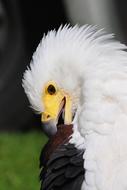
(49, 128)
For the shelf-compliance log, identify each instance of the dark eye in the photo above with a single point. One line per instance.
(51, 89)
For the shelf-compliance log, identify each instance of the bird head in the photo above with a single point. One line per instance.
(52, 81)
(59, 104)
(67, 73)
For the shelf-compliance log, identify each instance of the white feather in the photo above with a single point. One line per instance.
(89, 58)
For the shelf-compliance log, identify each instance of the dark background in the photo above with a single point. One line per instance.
(22, 24)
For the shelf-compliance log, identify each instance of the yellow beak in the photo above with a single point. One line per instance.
(54, 105)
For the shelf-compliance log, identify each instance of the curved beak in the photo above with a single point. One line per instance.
(49, 128)
(57, 111)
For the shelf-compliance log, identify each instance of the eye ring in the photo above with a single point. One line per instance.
(51, 89)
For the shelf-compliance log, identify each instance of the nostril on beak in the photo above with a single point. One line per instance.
(48, 116)
(45, 117)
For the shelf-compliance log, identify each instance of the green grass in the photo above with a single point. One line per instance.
(19, 160)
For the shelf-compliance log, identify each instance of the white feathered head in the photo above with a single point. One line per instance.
(75, 68)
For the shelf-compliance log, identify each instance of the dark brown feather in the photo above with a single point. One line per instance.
(62, 136)
(61, 163)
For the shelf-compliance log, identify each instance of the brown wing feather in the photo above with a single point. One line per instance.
(61, 163)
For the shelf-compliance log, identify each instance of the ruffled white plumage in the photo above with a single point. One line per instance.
(89, 58)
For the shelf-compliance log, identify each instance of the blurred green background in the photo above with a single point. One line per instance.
(19, 160)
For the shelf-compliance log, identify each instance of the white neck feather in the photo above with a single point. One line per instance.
(102, 122)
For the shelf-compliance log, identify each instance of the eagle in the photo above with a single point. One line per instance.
(77, 81)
